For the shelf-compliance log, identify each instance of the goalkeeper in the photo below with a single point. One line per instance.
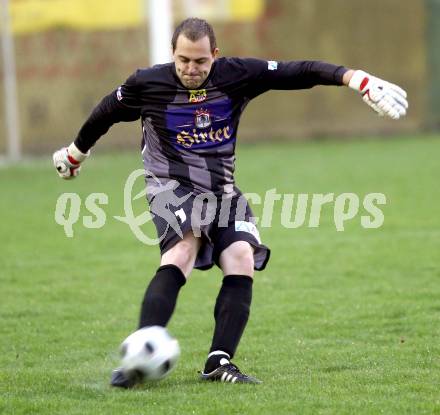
(190, 111)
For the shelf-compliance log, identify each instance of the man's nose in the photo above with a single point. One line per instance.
(192, 67)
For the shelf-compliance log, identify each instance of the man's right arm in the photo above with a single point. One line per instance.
(122, 104)
(108, 112)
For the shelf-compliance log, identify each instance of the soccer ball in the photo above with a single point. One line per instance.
(149, 353)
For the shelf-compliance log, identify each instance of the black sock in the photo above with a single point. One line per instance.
(161, 295)
(215, 359)
(231, 314)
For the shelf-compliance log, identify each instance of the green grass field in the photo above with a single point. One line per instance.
(342, 322)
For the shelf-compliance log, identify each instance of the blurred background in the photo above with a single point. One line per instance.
(70, 53)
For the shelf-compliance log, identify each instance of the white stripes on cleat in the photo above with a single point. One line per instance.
(228, 373)
(227, 377)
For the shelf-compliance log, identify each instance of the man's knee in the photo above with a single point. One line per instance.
(183, 255)
(238, 259)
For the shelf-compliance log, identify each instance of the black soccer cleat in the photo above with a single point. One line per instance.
(120, 380)
(228, 373)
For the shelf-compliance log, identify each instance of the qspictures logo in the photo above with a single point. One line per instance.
(175, 208)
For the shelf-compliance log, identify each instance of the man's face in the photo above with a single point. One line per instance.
(193, 60)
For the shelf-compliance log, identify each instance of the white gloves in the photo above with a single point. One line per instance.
(68, 161)
(385, 98)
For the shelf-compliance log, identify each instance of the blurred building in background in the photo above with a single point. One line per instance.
(70, 53)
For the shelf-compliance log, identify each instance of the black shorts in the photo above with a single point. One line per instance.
(218, 221)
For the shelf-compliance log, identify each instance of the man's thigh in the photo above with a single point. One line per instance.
(236, 239)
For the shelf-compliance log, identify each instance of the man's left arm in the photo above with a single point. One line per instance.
(383, 97)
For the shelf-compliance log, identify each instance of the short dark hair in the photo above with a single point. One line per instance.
(194, 29)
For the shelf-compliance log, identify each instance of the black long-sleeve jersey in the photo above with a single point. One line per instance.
(190, 135)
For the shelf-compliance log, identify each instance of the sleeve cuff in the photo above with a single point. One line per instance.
(339, 74)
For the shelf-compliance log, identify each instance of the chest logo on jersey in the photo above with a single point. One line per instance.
(197, 95)
(201, 126)
(202, 118)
